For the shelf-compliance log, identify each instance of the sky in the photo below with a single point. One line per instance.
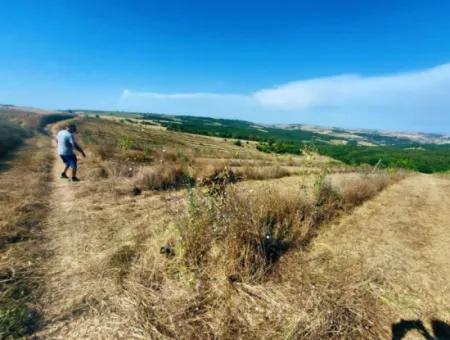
(373, 64)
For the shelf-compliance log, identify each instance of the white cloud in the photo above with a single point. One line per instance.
(354, 91)
(203, 103)
(416, 100)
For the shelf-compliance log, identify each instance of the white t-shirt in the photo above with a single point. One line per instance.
(66, 143)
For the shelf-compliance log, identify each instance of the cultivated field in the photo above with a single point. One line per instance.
(172, 235)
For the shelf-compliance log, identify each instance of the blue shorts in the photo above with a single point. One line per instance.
(69, 160)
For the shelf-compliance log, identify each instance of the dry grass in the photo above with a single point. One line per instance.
(356, 188)
(162, 177)
(145, 141)
(224, 276)
(260, 173)
(234, 255)
(250, 230)
(240, 255)
(23, 207)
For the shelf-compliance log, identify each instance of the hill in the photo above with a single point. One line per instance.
(178, 235)
(426, 153)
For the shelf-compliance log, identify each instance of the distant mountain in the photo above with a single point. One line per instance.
(372, 137)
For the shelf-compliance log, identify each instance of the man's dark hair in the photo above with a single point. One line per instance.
(72, 127)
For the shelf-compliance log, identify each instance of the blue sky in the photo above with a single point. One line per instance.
(370, 64)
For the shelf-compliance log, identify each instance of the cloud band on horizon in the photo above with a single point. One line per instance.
(418, 100)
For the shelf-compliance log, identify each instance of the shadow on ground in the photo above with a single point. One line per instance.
(440, 329)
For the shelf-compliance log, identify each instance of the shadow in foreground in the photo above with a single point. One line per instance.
(441, 330)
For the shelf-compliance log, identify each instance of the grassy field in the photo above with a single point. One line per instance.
(350, 147)
(119, 147)
(191, 236)
(173, 235)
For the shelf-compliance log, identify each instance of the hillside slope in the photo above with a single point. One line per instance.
(357, 275)
(393, 248)
(401, 239)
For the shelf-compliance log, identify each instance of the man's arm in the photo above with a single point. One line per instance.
(78, 148)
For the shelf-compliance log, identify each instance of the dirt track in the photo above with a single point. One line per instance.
(72, 285)
(403, 236)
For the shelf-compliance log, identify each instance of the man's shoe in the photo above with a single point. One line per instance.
(74, 179)
(63, 175)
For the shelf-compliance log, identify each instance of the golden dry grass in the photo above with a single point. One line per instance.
(280, 258)
(23, 208)
(211, 283)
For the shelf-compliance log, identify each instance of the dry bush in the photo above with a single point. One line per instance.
(251, 230)
(247, 172)
(217, 181)
(258, 229)
(162, 177)
(358, 190)
(355, 190)
(201, 171)
(327, 202)
(260, 173)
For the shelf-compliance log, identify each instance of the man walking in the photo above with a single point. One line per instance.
(66, 145)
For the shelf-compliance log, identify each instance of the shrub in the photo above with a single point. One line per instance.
(258, 229)
(251, 231)
(327, 202)
(17, 321)
(280, 148)
(216, 181)
(163, 177)
(356, 190)
(196, 229)
(238, 142)
(126, 143)
(259, 173)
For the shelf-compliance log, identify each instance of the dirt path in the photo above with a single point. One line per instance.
(72, 287)
(85, 228)
(65, 269)
(402, 237)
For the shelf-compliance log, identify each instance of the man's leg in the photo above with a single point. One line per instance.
(66, 166)
(73, 166)
(64, 173)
